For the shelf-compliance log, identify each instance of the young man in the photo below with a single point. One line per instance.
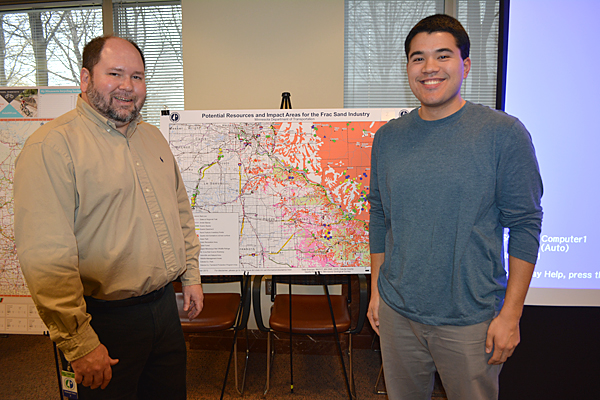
(446, 179)
(103, 225)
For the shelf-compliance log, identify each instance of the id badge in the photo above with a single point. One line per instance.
(69, 386)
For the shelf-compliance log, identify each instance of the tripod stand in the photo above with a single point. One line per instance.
(286, 103)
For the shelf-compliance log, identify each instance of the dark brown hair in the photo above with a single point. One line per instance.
(92, 50)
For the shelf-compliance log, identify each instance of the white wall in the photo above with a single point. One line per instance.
(241, 54)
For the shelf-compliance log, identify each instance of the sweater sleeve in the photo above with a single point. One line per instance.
(519, 192)
(45, 196)
(377, 228)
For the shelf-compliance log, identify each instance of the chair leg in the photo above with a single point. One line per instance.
(351, 368)
(241, 390)
(269, 360)
(235, 363)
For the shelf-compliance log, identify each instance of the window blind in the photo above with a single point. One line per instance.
(43, 46)
(374, 59)
(481, 18)
(156, 28)
(374, 62)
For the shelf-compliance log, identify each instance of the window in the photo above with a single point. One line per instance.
(480, 19)
(156, 29)
(375, 63)
(43, 46)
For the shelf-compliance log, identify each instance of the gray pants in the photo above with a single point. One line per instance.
(412, 352)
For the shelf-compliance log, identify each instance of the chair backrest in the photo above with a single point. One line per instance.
(314, 280)
(213, 279)
(245, 293)
(222, 278)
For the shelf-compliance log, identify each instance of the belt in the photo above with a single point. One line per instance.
(132, 301)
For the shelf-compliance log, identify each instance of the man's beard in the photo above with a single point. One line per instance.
(105, 107)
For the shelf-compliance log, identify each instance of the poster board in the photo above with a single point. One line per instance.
(278, 191)
(22, 111)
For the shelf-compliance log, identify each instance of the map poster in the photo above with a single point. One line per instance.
(37, 102)
(17, 311)
(278, 191)
(22, 111)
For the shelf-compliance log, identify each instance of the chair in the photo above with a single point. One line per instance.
(312, 314)
(221, 311)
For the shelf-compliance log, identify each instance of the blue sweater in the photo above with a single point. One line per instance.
(440, 194)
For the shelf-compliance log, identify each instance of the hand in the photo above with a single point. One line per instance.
(373, 313)
(193, 300)
(94, 369)
(502, 337)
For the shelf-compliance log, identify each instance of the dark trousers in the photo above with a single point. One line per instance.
(148, 341)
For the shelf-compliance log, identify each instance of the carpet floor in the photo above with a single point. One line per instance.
(27, 372)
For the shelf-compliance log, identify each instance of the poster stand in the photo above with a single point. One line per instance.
(286, 103)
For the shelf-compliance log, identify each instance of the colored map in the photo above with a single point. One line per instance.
(12, 138)
(299, 190)
(22, 111)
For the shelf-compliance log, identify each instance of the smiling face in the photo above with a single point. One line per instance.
(435, 74)
(116, 86)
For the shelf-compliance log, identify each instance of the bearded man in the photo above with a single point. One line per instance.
(103, 225)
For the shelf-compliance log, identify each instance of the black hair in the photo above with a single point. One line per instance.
(441, 23)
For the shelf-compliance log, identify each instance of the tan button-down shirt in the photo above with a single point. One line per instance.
(98, 214)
